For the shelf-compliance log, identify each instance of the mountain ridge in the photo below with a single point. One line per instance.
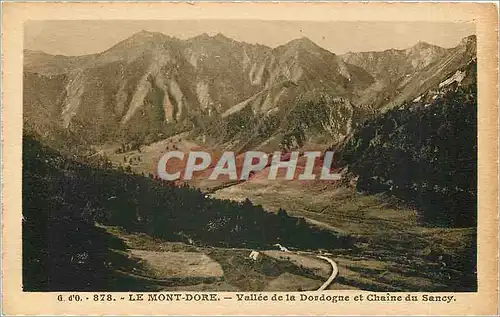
(205, 34)
(150, 84)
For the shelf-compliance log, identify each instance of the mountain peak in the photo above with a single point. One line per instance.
(136, 45)
(302, 43)
(205, 36)
(423, 45)
(425, 48)
(304, 40)
(221, 36)
(144, 34)
(468, 40)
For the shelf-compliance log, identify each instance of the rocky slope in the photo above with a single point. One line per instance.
(424, 151)
(149, 82)
(401, 75)
(232, 94)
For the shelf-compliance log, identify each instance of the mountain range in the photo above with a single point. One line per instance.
(224, 92)
(402, 124)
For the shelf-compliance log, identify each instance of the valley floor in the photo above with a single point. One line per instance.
(394, 251)
(158, 265)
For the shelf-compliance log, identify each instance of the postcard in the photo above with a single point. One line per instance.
(250, 158)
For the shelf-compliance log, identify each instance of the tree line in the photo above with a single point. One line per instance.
(424, 153)
(64, 198)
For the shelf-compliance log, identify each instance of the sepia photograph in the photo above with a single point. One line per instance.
(398, 111)
(245, 156)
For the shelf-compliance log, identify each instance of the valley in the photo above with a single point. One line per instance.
(402, 124)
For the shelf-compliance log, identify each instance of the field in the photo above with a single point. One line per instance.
(394, 250)
(164, 265)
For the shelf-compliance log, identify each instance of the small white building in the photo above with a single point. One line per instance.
(254, 255)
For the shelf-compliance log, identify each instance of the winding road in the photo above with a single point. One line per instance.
(335, 271)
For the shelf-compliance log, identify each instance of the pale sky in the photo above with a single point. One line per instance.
(86, 37)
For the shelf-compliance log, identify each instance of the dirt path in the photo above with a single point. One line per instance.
(309, 259)
(169, 264)
(335, 271)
